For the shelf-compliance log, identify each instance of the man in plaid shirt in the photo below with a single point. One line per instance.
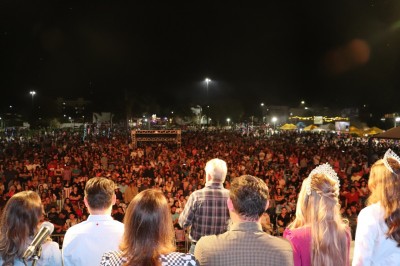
(206, 210)
(245, 243)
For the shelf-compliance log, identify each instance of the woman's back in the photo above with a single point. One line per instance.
(51, 255)
(300, 239)
(149, 238)
(372, 246)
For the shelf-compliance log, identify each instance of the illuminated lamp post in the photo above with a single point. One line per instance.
(33, 93)
(207, 80)
(396, 121)
(262, 112)
(274, 119)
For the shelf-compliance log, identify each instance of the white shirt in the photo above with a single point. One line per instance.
(372, 247)
(85, 243)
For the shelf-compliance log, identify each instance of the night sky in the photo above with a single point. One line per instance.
(331, 53)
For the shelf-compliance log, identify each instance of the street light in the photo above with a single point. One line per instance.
(274, 119)
(207, 80)
(396, 121)
(32, 93)
(228, 120)
(262, 112)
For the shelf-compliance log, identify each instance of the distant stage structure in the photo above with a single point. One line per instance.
(156, 136)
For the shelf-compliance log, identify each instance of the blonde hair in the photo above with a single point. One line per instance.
(384, 186)
(321, 211)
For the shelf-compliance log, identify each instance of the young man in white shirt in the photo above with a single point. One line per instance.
(85, 243)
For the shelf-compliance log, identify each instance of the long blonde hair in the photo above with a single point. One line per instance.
(148, 229)
(321, 211)
(384, 186)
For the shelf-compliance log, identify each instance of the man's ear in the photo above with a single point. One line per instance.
(208, 177)
(114, 198)
(85, 201)
(230, 205)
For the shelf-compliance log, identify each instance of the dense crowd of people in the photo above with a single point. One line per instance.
(58, 164)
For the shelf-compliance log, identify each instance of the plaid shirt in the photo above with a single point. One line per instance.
(206, 211)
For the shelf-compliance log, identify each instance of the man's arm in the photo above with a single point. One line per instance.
(187, 216)
(200, 253)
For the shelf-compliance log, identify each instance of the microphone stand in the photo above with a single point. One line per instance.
(36, 255)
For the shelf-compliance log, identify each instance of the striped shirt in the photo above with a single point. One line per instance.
(206, 211)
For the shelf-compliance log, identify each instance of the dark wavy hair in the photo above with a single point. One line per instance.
(249, 196)
(19, 221)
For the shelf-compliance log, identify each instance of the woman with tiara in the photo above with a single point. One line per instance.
(318, 234)
(378, 229)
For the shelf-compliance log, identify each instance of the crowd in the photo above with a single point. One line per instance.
(58, 165)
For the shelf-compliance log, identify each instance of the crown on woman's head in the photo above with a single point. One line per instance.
(326, 170)
(390, 154)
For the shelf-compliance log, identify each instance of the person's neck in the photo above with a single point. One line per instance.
(215, 183)
(236, 218)
(100, 212)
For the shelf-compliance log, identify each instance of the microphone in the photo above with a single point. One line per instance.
(45, 230)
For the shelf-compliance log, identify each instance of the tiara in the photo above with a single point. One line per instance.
(391, 154)
(325, 169)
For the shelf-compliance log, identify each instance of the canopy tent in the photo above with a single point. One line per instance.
(373, 131)
(288, 127)
(393, 133)
(310, 127)
(328, 126)
(354, 130)
(300, 125)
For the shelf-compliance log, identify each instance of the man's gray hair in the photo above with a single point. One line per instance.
(217, 169)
